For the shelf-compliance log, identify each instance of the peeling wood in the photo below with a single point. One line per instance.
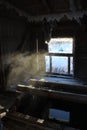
(49, 17)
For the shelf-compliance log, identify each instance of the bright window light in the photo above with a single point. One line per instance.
(60, 56)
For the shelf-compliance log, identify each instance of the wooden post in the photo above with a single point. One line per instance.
(2, 75)
(37, 54)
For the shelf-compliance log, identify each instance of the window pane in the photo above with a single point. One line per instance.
(59, 114)
(47, 61)
(59, 64)
(71, 65)
(60, 45)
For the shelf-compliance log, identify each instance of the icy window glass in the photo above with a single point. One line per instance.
(59, 64)
(60, 56)
(47, 60)
(59, 114)
(60, 45)
(71, 65)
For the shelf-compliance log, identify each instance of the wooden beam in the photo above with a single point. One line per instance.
(36, 123)
(69, 87)
(49, 93)
(28, 121)
(13, 5)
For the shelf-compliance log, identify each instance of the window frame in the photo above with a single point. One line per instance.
(68, 55)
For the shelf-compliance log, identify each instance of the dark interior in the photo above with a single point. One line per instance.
(25, 27)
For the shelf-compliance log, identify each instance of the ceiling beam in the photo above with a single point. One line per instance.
(17, 8)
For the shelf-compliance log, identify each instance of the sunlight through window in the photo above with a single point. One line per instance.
(60, 56)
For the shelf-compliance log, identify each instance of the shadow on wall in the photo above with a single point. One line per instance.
(19, 67)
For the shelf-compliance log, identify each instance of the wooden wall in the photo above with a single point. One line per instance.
(17, 35)
(11, 34)
(78, 31)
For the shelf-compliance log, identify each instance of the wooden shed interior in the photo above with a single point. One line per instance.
(43, 64)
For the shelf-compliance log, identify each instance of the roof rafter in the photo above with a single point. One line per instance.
(17, 8)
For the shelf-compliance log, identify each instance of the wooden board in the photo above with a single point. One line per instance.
(67, 96)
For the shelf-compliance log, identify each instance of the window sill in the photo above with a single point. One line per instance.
(68, 80)
(60, 84)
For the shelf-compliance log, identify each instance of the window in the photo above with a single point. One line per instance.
(59, 114)
(59, 59)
